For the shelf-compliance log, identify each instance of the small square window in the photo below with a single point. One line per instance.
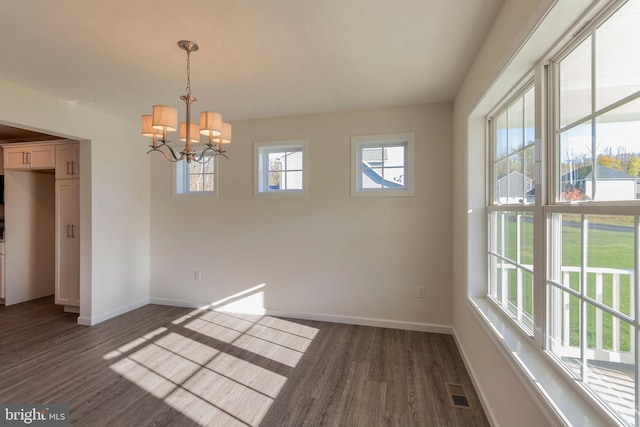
(280, 168)
(195, 179)
(382, 165)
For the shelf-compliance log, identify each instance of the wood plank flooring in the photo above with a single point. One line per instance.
(170, 366)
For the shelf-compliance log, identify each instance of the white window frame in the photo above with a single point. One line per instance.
(261, 167)
(546, 265)
(180, 180)
(359, 142)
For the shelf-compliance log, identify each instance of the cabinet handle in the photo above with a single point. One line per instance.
(24, 158)
(73, 167)
(68, 231)
(69, 173)
(73, 231)
(29, 157)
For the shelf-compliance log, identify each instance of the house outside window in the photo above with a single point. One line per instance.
(382, 165)
(585, 204)
(280, 168)
(195, 179)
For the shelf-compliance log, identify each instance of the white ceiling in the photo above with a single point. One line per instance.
(257, 58)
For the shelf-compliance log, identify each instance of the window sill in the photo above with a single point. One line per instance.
(558, 400)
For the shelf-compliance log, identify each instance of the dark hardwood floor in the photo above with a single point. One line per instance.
(170, 366)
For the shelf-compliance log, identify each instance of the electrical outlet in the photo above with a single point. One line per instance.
(198, 275)
(420, 292)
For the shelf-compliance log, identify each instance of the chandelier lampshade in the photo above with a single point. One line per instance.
(194, 132)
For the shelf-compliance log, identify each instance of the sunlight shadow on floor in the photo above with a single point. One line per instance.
(183, 362)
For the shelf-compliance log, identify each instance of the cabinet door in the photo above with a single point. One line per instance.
(67, 161)
(42, 157)
(68, 242)
(15, 158)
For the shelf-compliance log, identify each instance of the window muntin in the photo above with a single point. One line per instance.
(599, 112)
(280, 167)
(514, 151)
(382, 165)
(195, 179)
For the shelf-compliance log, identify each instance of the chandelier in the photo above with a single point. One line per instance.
(164, 119)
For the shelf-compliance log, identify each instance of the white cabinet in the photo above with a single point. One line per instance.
(29, 157)
(68, 243)
(67, 161)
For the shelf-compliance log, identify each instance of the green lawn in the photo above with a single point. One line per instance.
(606, 248)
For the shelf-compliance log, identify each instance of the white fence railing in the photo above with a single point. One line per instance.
(613, 349)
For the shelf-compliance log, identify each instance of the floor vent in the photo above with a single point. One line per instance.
(458, 396)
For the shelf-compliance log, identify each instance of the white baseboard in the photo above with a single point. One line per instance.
(365, 321)
(178, 303)
(476, 384)
(324, 317)
(94, 320)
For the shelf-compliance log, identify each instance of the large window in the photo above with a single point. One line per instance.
(586, 207)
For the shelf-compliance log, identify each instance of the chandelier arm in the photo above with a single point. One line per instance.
(174, 160)
(202, 160)
(173, 153)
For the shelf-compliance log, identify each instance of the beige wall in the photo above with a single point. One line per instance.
(326, 255)
(114, 173)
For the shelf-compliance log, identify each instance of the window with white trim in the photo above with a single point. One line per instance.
(195, 179)
(510, 216)
(382, 165)
(281, 167)
(586, 205)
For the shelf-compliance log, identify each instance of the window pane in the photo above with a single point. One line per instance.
(393, 177)
(275, 161)
(208, 183)
(529, 118)
(294, 160)
(208, 166)
(195, 167)
(394, 156)
(274, 180)
(293, 180)
(571, 251)
(515, 123)
(510, 235)
(618, 165)
(501, 187)
(610, 260)
(610, 373)
(512, 186)
(501, 135)
(576, 163)
(564, 328)
(575, 84)
(618, 55)
(526, 239)
(525, 312)
(529, 174)
(195, 182)
(371, 177)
